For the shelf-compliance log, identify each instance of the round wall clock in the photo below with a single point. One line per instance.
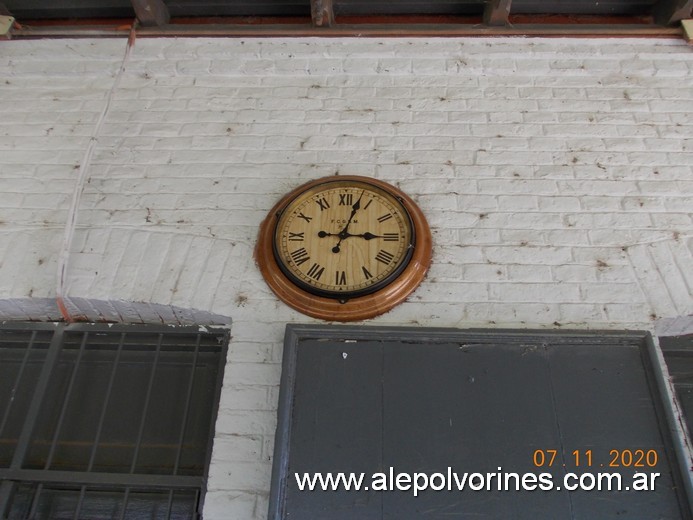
(344, 248)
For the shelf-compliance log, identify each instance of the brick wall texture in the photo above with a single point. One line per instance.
(556, 175)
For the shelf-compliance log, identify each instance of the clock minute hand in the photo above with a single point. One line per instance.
(354, 208)
(344, 233)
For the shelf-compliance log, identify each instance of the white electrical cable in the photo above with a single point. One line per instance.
(64, 255)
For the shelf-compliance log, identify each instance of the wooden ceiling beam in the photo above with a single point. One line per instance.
(671, 12)
(151, 13)
(357, 30)
(687, 26)
(497, 12)
(322, 13)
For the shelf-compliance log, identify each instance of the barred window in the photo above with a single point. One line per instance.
(103, 422)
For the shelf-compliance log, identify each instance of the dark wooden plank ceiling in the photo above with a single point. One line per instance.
(372, 17)
(123, 8)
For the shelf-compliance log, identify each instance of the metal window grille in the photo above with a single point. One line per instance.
(106, 422)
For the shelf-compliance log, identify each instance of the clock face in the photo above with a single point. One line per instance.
(343, 238)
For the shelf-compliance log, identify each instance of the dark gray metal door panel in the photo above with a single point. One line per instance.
(366, 400)
(339, 391)
(476, 408)
(603, 396)
(604, 402)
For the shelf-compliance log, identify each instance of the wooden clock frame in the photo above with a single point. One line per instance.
(358, 307)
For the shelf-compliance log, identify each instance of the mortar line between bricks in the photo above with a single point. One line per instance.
(662, 279)
(640, 283)
(202, 269)
(678, 303)
(681, 269)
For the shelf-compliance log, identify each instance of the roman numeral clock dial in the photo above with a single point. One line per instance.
(344, 248)
(356, 238)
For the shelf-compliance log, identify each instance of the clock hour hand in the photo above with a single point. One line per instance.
(367, 236)
(345, 234)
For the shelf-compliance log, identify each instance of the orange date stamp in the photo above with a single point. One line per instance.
(587, 458)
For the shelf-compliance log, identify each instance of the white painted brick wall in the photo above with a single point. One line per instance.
(557, 176)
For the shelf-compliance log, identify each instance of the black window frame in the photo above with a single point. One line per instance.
(204, 346)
